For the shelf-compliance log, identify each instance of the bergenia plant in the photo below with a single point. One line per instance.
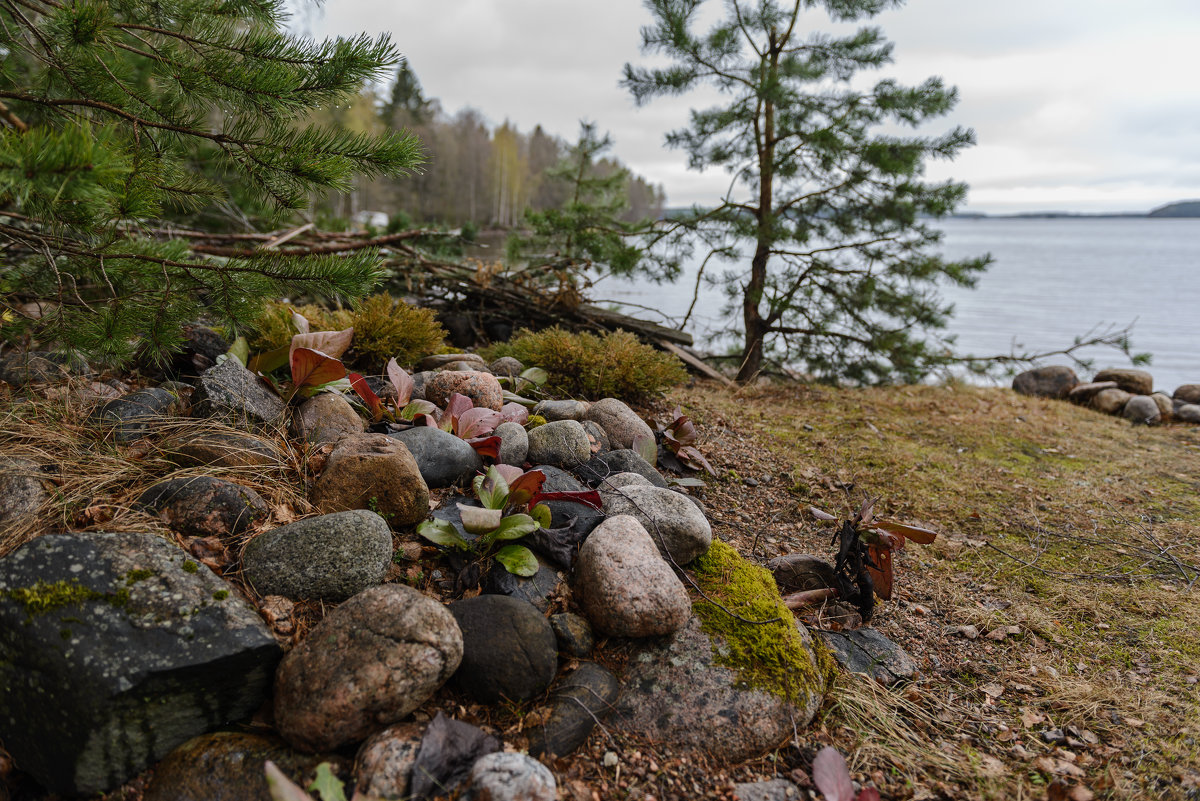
(403, 408)
(832, 778)
(680, 438)
(474, 424)
(532, 378)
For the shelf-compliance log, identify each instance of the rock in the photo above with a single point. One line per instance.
(1054, 381)
(383, 388)
(22, 490)
(464, 367)
(511, 777)
(618, 421)
(203, 506)
(535, 590)
(618, 480)
(1188, 393)
(578, 701)
(1188, 413)
(562, 443)
(800, 572)
(603, 465)
(200, 348)
(509, 651)
(573, 633)
(770, 790)
(221, 449)
(867, 651)
(228, 766)
(40, 367)
(514, 443)
(448, 751)
(439, 360)
(1166, 407)
(327, 417)
(1084, 393)
(506, 366)
(597, 438)
(482, 388)
(419, 381)
(376, 472)
(330, 557)
(676, 696)
(385, 761)
(116, 648)
(368, 664)
(581, 517)
(676, 526)
(234, 395)
(554, 410)
(1142, 410)
(443, 459)
(130, 416)
(624, 587)
(1110, 401)
(1135, 382)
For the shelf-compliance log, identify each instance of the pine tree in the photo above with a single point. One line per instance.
(831, 213)
(108, 105)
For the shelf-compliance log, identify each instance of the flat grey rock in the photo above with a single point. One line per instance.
(130, 416)
(234, 395)
(443, 459)
(866, 651)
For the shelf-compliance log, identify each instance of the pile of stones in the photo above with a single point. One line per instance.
(124, 651)
(1125, 393)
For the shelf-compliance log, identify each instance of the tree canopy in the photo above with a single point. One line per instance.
(826, 216)
(118, 113)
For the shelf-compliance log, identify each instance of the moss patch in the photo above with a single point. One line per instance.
(770, 656)
(45, 597)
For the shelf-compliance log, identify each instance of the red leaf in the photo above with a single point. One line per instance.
(312, 368)
(868, 794)
(514, 413)
(882, 573)
(695, 459)
(476, 422)
(402, 381)
(486, 446)
(830, 775)
(525, 487)
(369, 397)
(586, 497)
(509, 473)
(458, 405)
(914, 533)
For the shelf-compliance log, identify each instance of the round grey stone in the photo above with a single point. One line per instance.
(514, 443)
(562, 443)
(603, 465)
(554, 410)
(621, 423)
(511, 777)
(330, 557)
(443, 459)
(1188, 413)
(1142, 410)
(22, 491)
(674, 523)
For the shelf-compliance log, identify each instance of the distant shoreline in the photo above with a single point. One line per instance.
(1180, 210)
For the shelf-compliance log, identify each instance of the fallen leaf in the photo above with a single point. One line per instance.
(1058, 767)
(995, 689)
(1136, 723)
(1031, 717)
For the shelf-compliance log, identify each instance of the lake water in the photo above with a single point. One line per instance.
(1052, 280)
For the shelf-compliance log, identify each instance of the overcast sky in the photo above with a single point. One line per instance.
(1087, 105)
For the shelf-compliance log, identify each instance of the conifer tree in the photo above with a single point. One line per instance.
(106, 104)
(827, 215)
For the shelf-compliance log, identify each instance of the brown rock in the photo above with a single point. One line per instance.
(228, 766)
(384, 763)
(1188, 413)
(440, 360)
(1166, 408)
(327, 417)
(221, 449)
(625, 587)
(376, 472)
(1084, 393)
(482, 388)
(1135, 382)
(1188, 393)
(1111, 401)
(1054, 381)
(618, 421)
(203, 506)
(367, 665)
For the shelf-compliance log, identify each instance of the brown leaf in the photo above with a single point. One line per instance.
(1031, 717)
(211, 552)
(995, 689)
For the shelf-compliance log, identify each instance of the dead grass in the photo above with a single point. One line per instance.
(1078, 529)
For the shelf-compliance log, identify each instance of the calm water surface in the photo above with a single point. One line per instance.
(1052, 280)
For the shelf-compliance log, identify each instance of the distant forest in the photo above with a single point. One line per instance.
(474, 174)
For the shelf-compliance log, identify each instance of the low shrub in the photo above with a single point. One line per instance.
(584, 365)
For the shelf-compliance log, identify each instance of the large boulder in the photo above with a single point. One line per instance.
(676, 525)
(1054, 381)
(624, 587)
(327, 417)
(443, 459)
(563, 443)
(482, 388)
(367, 665)
(1110, 401)
(1084, 393)
(1135, 382)
(116, 648)
(203, 506)
(509, 650)
(129, 416)
(228, 766)
(232, 394)
(1188, 413)
(621, 423)
(330, 557)
(376, 472)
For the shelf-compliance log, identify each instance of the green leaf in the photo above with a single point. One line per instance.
(477, 520)
(493, 490)
(541, 515)
(513, 527)
(512, 397)
(686, 481)
(417, 407)
(645, 447)
(240, 350)
(442, 532)
(534, 376)
(518, 560)
(326, 785)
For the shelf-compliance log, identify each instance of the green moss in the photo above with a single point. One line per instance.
(534, 421)
(770, 656)
(220, 595)
(134, 576)
(190, 567)
(46, 597)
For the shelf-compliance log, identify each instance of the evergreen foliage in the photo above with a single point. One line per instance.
(831, 213)
(110, 106)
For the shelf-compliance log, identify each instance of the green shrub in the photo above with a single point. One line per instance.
(273, 328)
(584, 365)
(387, 327)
